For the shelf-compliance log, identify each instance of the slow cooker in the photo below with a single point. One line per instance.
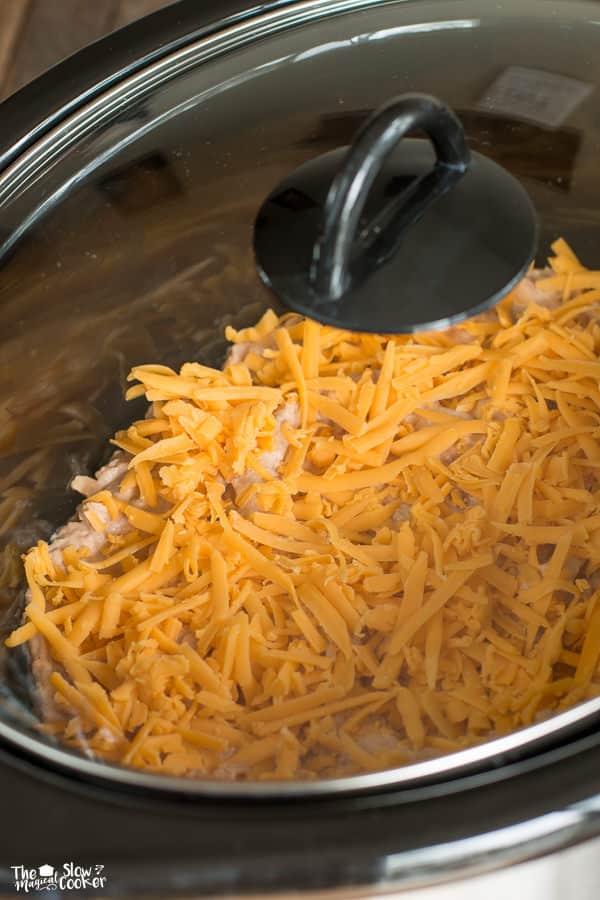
(130, 177)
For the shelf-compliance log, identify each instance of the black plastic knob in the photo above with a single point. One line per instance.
(396, 234)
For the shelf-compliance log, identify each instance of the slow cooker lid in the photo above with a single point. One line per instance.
(108, 220)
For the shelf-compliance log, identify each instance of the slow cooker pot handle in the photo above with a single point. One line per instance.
(346, 245)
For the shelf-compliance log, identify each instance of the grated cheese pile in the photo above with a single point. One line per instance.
(342, 553)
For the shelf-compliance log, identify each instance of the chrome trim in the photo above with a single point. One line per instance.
(497, 752)
(21, 172)
(456, 868)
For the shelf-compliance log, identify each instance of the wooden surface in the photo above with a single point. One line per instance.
(36, 34)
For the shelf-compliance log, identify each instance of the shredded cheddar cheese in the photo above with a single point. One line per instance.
(341, 553)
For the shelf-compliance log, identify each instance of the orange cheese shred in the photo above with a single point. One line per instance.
(340, 552)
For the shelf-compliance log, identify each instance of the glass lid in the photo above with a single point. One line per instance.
(310, 560)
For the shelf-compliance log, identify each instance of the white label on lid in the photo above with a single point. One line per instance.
(537, 96)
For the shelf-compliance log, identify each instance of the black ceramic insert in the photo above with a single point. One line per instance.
(380, 237)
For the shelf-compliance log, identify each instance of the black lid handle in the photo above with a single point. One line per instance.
(344, 249)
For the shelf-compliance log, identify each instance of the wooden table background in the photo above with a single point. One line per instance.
(36, 34)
